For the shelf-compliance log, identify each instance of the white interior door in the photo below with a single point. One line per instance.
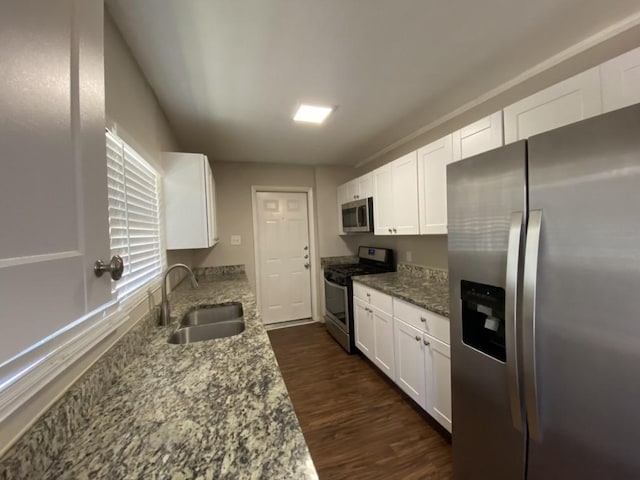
(283, 256)
(53, 187)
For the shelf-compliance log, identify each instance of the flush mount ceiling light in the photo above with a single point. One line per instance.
(312, 113)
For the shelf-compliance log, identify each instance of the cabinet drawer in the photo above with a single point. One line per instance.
(429, 322)
(373, 297)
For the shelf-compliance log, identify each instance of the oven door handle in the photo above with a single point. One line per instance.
(342, 287)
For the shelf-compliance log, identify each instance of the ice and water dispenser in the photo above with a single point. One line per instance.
(483, 318)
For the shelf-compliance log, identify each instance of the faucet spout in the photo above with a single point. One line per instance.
(165, 313)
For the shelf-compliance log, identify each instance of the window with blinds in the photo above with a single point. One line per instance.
(134, 216)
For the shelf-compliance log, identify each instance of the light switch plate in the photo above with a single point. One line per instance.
(236, 240)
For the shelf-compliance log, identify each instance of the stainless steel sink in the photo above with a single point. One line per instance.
(204, 314)
(209, 331)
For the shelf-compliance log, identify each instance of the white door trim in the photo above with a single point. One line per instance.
(313, 257)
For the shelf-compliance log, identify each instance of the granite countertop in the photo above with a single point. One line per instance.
(342, 260)
(217, 409)
(427, 292)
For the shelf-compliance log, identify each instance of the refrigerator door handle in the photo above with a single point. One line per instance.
(529, 323)
(511, 318)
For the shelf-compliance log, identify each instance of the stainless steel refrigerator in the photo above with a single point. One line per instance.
(544, 265)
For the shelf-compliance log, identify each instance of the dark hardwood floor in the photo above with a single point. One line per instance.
(356, 424)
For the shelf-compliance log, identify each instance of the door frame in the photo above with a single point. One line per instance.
(313, 256)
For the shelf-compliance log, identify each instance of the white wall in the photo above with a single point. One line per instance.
(133, 108)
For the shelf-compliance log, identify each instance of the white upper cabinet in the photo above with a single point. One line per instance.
(480, 136)
(365, 186)
(395, 198)
(356, 189)
(621, 81)
(383, 200)
(432, 185)
(190, 204)
(569, 101)
(405, 195)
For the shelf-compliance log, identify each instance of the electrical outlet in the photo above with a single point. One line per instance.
(236, 240)
(409, 256)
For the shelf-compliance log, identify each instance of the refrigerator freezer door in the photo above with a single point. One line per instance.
(585, 178)
(483, 192)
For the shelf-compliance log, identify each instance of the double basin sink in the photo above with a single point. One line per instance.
(207, 322)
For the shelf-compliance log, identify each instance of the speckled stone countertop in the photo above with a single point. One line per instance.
(217, 409)
(424, 287)
(343, 260)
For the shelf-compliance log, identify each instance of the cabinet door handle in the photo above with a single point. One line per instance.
(417, 338)
(390, 231)
(395, 231)
(423, 320)
(425, 342)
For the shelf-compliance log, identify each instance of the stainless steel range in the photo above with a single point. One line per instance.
(338, 291)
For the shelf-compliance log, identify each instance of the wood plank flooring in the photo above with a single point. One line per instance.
(356, 424)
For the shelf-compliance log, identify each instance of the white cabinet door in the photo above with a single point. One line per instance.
(212, 218)
(363, 320)
(621, 81)
(383, 200)
(410, 363)
(351, 191)
(365, 186)
(395, 197)
(480, 136)
(53, 185)
(189, 193)
(383, 348)
(405, 195)
(437, 360)
(432, 179)
(566, 102)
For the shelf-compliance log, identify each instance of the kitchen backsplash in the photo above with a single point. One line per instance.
(420, 271)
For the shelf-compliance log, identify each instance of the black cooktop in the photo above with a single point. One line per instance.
(372, 260)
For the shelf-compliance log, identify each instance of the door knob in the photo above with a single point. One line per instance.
(115, 267)
(423, 320)
(390, 231)
(306, 256)
(306, 247)
(426, 343)
(395, 231)
(306, 265)
(417, 338)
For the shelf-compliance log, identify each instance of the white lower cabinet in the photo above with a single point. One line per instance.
(409, 344)
(374, 335)
(437, 368)
(363, 322)
(410, 362)
(383, 343)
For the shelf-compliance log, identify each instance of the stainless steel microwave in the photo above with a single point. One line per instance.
(357, 216)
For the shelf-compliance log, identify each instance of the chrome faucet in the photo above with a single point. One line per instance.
(165, 313)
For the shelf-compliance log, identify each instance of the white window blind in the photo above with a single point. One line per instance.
(134, 216)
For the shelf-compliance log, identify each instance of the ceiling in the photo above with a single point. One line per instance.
(229, 74)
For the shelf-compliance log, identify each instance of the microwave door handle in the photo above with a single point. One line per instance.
(360, 214)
